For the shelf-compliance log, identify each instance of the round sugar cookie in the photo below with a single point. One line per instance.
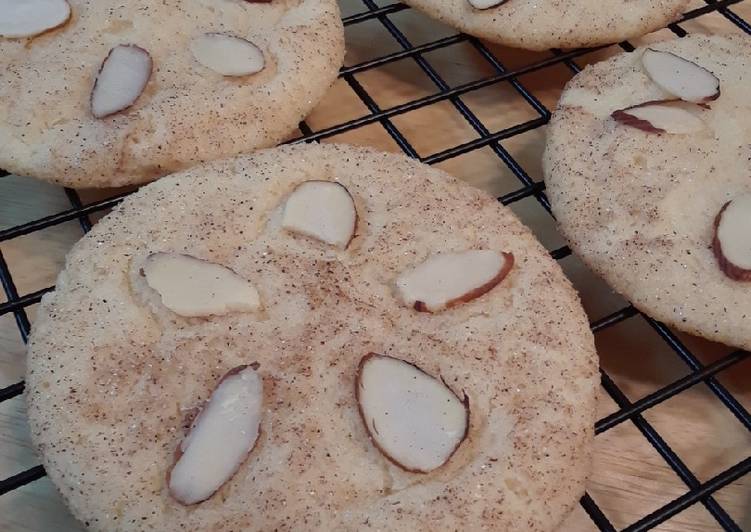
(168, 60)
(640, 206)
(120, 361)
(539, 25)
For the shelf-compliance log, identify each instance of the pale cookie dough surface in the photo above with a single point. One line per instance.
(543, 24)
(187, 113)
(639, 207)
(113, 376)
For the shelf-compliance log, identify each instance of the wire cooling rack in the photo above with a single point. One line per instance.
(697, 492)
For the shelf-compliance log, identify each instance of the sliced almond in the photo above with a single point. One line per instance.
(448, 279)
(26, 18)
(674, 117)
(414, 419)
(732, 238)
(680, 77)
(221, 437)
(193, 287)
(122, 77)
(323, 210)
(485, 4)
(227, 55)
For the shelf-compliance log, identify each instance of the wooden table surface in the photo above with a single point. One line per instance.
(629, 478)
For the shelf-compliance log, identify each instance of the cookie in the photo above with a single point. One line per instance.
(644, 152)
(536, 25)
(121, 93)
(384, 406)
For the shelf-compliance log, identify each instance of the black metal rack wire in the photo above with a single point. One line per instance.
(631, 411)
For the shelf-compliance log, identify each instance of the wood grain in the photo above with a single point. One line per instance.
(629, 477)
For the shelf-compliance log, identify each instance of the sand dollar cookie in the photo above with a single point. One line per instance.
(648, 169)
(103, 93)
(318, 338)
(539, 25)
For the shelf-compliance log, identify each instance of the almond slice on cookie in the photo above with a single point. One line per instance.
(192, 287)
(323, 210)
(680, 77)
(221, 437)
(227, 55)
(485, 4)
(449, 279)
(732, 238)
(672, 116)
(27, 18)
(415, 420)
(122, 78)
